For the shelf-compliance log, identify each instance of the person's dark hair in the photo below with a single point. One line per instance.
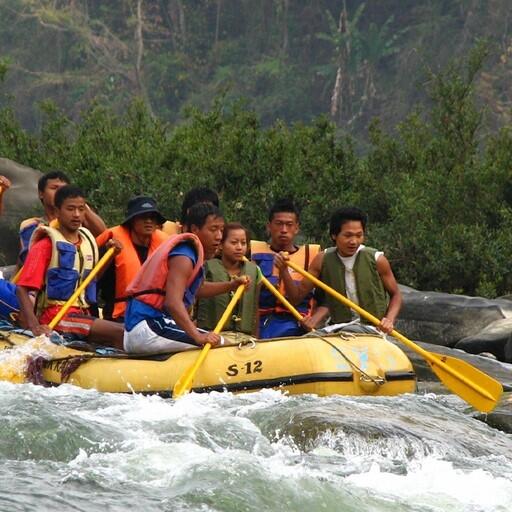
(199, 213)
(231, 226)
(66, 192)
(197, 195)
(342, 215)
(283, 206)
(52, 175)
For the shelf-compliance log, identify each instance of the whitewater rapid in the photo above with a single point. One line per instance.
(71, 449)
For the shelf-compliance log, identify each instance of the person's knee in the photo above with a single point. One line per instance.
(107, 332)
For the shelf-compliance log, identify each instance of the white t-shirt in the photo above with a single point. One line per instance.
(350, 278)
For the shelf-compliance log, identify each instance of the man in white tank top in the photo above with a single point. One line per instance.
(347, 230)
(350, 278)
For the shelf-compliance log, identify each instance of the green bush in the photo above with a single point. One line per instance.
(438, 192)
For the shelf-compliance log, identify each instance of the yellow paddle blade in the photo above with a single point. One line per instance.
(460, 377)
(184, 383)
(483, 399)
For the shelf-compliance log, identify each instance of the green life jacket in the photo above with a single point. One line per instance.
(210, 310)
(371, 293)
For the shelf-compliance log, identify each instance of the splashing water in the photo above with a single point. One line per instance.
(74, 449)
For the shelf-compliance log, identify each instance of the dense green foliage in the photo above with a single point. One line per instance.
(438, 190)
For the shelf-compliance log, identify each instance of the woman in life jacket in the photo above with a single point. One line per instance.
(228, 265)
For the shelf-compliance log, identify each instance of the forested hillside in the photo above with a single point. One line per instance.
(291, 60)
(399, 107)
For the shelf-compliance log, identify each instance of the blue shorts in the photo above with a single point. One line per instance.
(9, 306)
(157, 336)
(279, 326)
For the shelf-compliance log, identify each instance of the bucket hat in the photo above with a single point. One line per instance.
(141, 205)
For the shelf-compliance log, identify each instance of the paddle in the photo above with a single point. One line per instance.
(14, 280)
(277, 294)
(101, 263)
(472, 385)
(184, 383)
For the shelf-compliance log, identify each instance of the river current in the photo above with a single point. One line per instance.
(71, 449)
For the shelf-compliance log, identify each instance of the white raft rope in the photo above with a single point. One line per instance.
(346, 331)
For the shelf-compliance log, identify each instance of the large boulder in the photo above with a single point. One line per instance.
(445, 319)
(495, 338)
(20, 201)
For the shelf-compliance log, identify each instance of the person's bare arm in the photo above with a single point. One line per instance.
(311, 322)
(295, 292)
(180, 270)
(212, 288)
(395, 297)
(27, 318)
(93, 222)
(5, 184)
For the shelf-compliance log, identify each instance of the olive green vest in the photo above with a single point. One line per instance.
(210, 310)
(370, 290)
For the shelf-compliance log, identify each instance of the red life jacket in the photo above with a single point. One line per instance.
(148, 285)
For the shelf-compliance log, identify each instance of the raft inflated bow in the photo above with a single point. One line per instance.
(472, 385)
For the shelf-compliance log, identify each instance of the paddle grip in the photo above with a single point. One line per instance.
(101, 263)
(184, 383)
(374, 320)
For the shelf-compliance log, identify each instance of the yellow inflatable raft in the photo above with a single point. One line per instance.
(343, 364)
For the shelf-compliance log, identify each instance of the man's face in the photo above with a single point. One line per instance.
(71, 214)
(350, 237)
(144, 224)
(282, 228)
(210, 234)
(48, 194)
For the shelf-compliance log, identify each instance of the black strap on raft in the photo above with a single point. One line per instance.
(5, 338)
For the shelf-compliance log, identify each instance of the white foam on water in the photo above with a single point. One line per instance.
(155, 459)
(166, 445)
(138, 412)
(147, 461)
(440, 485)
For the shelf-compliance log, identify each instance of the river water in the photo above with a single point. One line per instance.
(71, 449)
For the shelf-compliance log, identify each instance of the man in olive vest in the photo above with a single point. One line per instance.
(283, 226)
(361, 273)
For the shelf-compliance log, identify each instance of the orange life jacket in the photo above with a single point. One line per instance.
(127, 262)
(263, 256)
(148, 286)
